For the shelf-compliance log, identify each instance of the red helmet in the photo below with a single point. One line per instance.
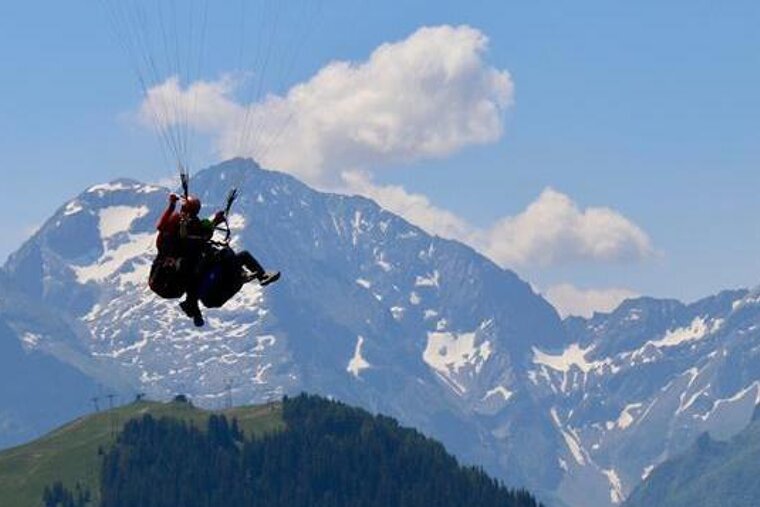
(191, 206)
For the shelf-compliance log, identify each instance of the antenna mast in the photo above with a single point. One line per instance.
(228, 389)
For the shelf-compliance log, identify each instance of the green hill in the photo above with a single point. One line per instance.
(709, 474)
(302, 452)
(70, 453)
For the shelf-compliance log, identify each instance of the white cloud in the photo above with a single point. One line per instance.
(424, 97)
(206, 106)
(554, 230)
(570, 300)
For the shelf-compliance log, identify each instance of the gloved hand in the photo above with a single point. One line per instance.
(219, 217)
(173, 198)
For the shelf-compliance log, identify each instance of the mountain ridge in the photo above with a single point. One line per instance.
(375, 312)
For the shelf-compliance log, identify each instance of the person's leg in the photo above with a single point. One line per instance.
(191, 308)
(190, 304)
(250, 263)
(257, 270)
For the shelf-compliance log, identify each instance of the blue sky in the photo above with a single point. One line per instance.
(648, 108)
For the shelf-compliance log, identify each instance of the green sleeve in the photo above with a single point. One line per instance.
(207, 226)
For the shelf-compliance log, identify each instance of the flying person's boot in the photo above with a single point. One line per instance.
(249, 276)
(192, 311)
(268, 277)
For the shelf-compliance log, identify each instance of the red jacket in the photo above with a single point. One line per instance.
(168, 231)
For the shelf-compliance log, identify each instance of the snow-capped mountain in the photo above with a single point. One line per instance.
(376, 312)
(640, 384)
(370, 309)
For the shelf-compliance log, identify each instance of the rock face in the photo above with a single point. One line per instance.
(374, 311)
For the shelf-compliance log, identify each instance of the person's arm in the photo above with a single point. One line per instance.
(210, 224)
(163, 222)
(218, 218)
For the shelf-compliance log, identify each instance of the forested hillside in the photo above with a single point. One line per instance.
(329, 454)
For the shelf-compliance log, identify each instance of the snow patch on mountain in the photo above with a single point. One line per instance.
(750, 299)
(357, 362)
(573, 356)
(616, 486)
(116, 219)
(149, 189)
(750, 393)
(104, 188)
(431, 280)
(113, 258)
(627, 415)
(72, 208)
(697, 330)
(449, 353)
(571, 440)
(502, 391)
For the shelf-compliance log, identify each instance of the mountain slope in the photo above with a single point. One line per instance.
(70, 454)
(640, 384)
(371, 310)
(709, 474)
(38, 391)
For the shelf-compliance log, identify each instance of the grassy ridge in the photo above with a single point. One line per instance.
(70, 453)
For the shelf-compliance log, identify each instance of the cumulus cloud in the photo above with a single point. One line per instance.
(554, 230)
(206, 106)
(570, 300)
(426, 96)
(423, 97)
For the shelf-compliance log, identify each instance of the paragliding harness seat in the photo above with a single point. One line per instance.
(167, 277)
(221, 277)
(221, 272)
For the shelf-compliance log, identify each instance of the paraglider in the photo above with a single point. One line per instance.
(165, 42)
(192, 263)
